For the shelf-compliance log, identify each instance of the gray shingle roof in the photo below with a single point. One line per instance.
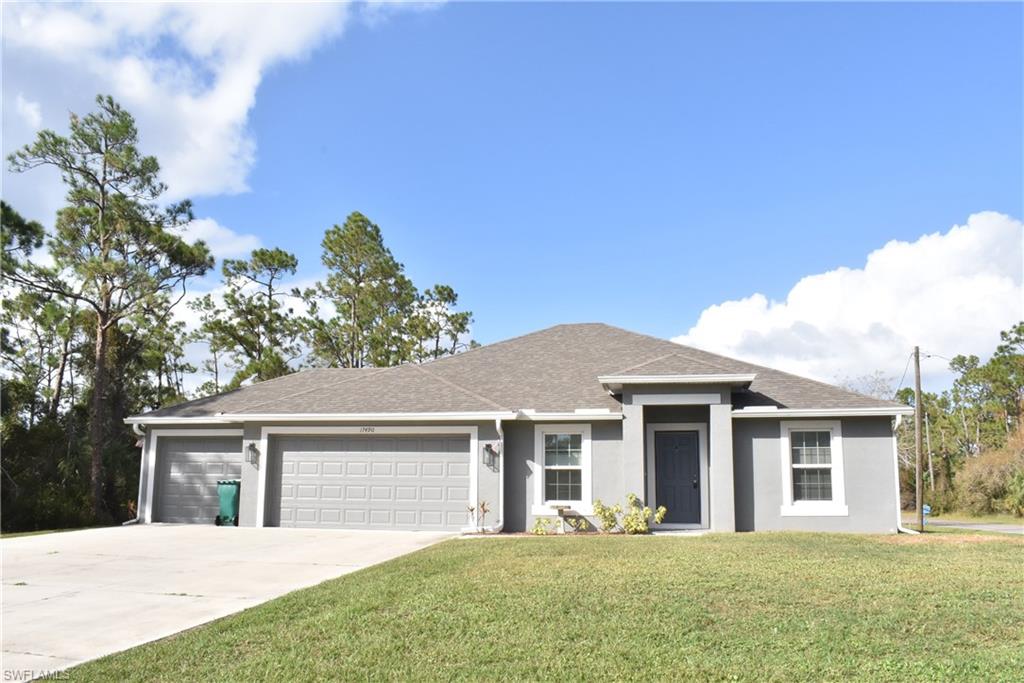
(555, 369)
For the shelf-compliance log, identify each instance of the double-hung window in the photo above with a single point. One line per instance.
(562, 468)
(812, 468)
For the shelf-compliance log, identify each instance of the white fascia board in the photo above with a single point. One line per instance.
(581, 415)
(224, 418)
(725, 378)
(822, 412)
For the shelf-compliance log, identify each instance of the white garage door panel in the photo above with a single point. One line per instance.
(407, 482)
(188, 469)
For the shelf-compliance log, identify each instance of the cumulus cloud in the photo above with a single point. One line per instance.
(948, 292)
(223, 242)
(29, 111)
(189, 73)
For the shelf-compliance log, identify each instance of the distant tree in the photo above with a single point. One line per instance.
(876, 384)
(20, 238)
(369, 295)
(254, 327)
(113, 251)
(438, 329)
(217, 345)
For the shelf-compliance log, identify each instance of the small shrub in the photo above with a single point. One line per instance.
(541, 526)
(637, 519)
(577, 524)
(607, 517)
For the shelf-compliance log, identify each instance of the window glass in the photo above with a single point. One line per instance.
(811, 448)
(563, 485)
(563, 473)
(812, 484)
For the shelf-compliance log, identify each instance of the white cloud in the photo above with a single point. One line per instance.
(949, 293)
(29, 111)
(222, 242)
(188, 72)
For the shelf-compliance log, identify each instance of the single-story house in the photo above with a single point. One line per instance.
(555, 419)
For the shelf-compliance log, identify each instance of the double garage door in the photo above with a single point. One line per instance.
(370, 482)
(350, 481)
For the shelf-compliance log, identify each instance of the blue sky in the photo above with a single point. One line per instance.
(540, 157)
(634, 163)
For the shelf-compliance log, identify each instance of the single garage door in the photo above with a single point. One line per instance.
(373, 482)
(187, 472)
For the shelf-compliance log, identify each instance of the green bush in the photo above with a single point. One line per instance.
(1014, 499)
(607, 517)
(635, 520)
(989, 482)
(541, 526)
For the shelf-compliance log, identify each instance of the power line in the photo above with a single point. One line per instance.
(905, 368)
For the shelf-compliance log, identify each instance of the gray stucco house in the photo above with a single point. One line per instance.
(560, 417)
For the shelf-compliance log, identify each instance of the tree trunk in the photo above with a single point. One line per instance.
(58, 388)
(100, 412)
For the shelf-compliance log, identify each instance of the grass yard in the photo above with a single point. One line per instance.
(779, 607)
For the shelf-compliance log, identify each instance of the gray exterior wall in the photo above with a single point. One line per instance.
(870, 478)
(608, 477)
(618, 457)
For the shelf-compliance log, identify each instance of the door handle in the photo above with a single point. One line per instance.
(696, 483)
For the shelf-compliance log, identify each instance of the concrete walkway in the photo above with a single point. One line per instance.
(75, 596)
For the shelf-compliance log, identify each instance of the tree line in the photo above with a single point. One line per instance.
(972, 441)
(973, 444)
(90, 331)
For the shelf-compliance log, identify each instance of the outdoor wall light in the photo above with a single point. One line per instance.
(252, 454)
(491, 454)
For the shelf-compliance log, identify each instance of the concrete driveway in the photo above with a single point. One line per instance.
(75, 596)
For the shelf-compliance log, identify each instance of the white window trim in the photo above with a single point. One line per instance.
(545, 508)
(367, 430)
(154, 446)
(813, 508)
(705, 473)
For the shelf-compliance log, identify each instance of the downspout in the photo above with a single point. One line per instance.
(140, 432)
(900, 529)
(496, 528)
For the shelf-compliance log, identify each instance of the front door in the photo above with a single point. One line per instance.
(677, 476)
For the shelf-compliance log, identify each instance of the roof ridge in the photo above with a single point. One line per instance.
(646, 362)
(500, 342)
(698, 360)
(343, 380)
(459, 387)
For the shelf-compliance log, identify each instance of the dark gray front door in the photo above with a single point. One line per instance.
(677, 476)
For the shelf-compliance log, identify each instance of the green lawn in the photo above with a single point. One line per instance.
(740, 606)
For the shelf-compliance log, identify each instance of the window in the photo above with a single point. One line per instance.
(563, 474)
(812, 469)
(812, 465)
(562, 468)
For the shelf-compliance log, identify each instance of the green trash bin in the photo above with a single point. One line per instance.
(227, 492)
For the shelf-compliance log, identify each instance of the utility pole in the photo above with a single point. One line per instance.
(918, 487)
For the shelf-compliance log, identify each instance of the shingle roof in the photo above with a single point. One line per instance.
(552, 370)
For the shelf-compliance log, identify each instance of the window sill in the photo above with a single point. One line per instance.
(547, 509)
(814, 510)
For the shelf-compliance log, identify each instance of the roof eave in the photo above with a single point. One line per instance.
(880, 411)
(231, 418)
